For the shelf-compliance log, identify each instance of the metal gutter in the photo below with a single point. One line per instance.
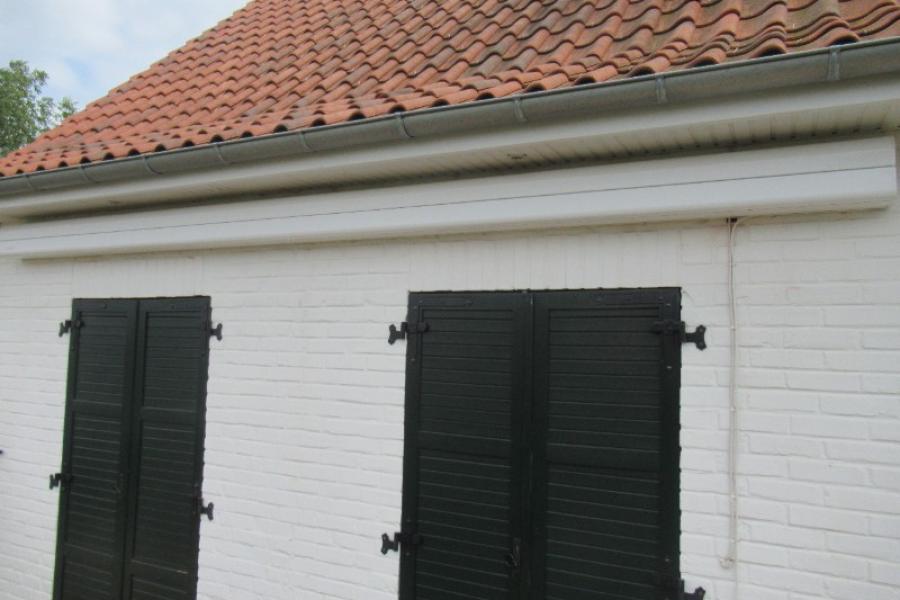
(838, 63)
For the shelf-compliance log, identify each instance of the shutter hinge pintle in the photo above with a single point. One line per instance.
(696, 337)
(68, 325)
(407, 539)
(404, 329)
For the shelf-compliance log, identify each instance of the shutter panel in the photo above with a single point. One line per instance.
(167, 449)
(92, 502)
(462, 478)
(605, 512)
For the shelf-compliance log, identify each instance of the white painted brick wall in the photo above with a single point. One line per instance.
(304, 441)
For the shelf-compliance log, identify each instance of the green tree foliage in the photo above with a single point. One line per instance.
(24, 112)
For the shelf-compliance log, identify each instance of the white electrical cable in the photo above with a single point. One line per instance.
(729, 561)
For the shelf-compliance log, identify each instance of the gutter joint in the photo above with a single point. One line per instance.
(834, 64)
(301, 136)
(150, 169)
(85, 175)
(218, 147)
(661, 96)
(401, 125)
(517, 108)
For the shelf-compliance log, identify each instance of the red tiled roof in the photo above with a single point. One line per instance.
(282, 65)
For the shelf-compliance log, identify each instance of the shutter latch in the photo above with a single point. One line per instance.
(68, 325)
(407, 539)
(696, 337)
(401, 333)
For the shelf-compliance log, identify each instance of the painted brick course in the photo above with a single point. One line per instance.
(305, 408)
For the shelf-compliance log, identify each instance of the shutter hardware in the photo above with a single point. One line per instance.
(68, 325)
(58, 479)
(674, 587)
(407, 539)
(200, 508)
(216, 332)
(697, 337)
(401, 333)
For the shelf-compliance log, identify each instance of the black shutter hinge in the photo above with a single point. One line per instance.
(58, 479)
(674, 587)
(407, 539)
(696, 337)
(401, 333)
(68, 325)
(697, 594)
(216, 332)
(201, 508)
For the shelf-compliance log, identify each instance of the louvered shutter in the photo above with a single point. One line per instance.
(462, 475)
(605, 518)
(92, 501)
(167, 449)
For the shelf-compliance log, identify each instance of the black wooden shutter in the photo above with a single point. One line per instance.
(166, 463)
(133, 450)
(92, 502)
(542, 427)
(462, 473)
(605, 520)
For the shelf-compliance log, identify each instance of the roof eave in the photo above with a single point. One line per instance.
(836, 64)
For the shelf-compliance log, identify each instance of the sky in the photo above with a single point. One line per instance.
(88, 47)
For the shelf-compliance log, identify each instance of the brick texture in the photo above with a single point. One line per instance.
(304, 441)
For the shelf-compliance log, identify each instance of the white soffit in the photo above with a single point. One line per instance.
(834, 176)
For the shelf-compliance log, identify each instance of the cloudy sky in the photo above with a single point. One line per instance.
(90, 46)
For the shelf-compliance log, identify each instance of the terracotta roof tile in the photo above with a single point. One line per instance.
(281, 65)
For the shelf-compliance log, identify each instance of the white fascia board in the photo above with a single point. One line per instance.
(835, 176)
